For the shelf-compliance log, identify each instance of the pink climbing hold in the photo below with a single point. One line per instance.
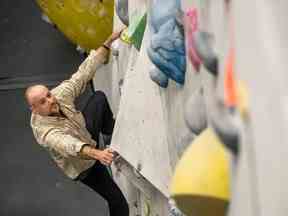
(191, 26)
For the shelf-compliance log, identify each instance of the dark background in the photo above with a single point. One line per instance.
(32, 51)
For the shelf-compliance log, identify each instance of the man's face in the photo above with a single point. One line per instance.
(42, 101)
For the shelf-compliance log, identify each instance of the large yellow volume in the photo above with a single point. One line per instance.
(85, 22)
(201, 182)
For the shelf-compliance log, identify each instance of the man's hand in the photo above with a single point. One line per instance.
(112, 37)
(104, 156)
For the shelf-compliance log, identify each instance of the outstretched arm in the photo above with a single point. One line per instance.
(72, 88)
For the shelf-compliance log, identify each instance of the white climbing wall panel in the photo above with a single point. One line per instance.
(139, 135)
(150, 128)
(261, 47)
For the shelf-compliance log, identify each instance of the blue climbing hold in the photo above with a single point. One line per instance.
(167, 45)
(159, 77)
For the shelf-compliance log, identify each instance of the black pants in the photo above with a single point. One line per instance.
(99, 118)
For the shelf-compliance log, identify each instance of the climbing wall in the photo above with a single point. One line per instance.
(173, 84)
(261, 54)
(144, 112)
(150, 117)
(151, 131)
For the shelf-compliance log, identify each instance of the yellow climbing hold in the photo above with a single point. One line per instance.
(200, 185)
(85, 22)
(125, 36)
(147, 208)
(242, 98)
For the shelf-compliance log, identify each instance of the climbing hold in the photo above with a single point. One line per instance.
(195, 112)
(167, 48)
(204, 50)
(225, 118)
(226, 121)
(236, 94)
(45, 18)
(125, 37)
(159, 77)
(191, 26)
(242, 96)
(200, 185)
(85, 22)
(223, 122)
(147, 208)
(122, 11)
(120, 86)
(229, 82)
(80, 49)
(173, 210)
(135, 31)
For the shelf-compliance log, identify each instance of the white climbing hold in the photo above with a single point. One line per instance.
(80, 49)
(45, 18)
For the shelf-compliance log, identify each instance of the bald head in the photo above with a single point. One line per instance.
(32, 93)
(41, 100)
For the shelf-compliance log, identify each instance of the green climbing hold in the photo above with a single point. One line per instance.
(135, 31)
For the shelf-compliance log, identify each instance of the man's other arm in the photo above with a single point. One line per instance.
(104, 156)
(68, 145)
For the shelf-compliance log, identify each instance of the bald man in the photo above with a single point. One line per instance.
(71, 136)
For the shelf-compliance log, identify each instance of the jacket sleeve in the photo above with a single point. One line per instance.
(63, 143)
(70, 89)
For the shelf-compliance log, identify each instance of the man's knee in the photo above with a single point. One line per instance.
(100, 96)
(100, 100)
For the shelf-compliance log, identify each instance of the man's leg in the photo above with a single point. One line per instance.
(98, 115)
(100, 181)
(99, 118)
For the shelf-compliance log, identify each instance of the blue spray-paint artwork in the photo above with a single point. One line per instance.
(167, 45)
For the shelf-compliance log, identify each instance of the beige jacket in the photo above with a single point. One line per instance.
(64, 137)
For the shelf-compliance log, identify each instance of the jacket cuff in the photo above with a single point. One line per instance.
(76, 148)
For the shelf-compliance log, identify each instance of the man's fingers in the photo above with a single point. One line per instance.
(109, 154)
(108, 157)
(106, 162)
(116, 34)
